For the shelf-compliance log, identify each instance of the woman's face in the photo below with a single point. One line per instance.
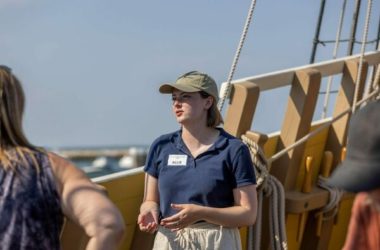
(190, 107)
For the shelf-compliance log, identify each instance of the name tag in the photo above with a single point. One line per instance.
(177, 160)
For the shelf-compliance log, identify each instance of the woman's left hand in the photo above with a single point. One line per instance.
(187, 215)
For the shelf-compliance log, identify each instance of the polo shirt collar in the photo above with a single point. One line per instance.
(220, 142)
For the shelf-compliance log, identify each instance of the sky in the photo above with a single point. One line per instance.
(91, 68)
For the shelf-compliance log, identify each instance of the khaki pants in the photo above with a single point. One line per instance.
(199, 236)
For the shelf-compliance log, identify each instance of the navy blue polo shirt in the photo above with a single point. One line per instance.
(208, 179)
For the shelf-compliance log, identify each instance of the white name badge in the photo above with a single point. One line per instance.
(177, 160)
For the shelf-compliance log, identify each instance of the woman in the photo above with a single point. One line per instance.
(37, 188)
(200, 182)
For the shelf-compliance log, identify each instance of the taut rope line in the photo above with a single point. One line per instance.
(365, 34)
(337, 39)
(319, 129)
(226, 90)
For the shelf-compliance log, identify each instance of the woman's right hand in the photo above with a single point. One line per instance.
(148, 217)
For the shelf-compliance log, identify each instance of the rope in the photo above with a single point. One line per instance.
(226, 91)
(376, 82)
(269, 186)
(323, 42)
(374, 78)
(258, 226)
(258, 159)
(335, 197)
(319, 129)
(339, 32)
(275, 190)
(365, 34)
(254, 232)
(331, 92)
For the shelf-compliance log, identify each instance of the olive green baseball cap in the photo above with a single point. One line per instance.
(192, 81)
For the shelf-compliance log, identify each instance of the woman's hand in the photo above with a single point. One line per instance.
(187, 215)
(148, 217)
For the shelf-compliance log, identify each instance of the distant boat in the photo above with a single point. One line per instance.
(103, 161)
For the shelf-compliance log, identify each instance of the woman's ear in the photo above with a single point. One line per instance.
(209, 102)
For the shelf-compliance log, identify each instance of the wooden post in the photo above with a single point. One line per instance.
(338, 131)
(301, 105)
(259, 138)
(335, 141)
(240, 112)
(306, 188)
(324, 172)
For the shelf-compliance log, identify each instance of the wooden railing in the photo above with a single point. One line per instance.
(126, 188)
(304, 85)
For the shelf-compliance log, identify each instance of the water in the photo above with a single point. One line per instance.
(101, 161)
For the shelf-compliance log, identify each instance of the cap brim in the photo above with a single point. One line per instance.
(167, 88)
(356, 176)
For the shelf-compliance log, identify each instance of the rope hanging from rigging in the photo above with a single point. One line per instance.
(365, 34)
(225, 89)
(329, 82)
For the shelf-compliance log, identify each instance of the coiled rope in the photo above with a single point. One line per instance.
(269, 186)
(334, 199)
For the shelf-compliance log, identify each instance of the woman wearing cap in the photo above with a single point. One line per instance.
(200, 182)
(38, 187)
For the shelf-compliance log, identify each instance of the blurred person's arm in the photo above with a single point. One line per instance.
(86, 204)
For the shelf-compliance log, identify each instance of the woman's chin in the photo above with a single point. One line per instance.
(182, 121)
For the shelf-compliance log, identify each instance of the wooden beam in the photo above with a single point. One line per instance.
(240, 112)
(298, 117)
(338, 131)
(285, 77)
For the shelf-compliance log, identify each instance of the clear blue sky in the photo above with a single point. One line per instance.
(91, 68)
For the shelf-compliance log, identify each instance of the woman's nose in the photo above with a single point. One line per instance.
(177, 103)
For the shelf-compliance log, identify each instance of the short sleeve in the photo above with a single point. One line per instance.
(243, 169)
(151, 165)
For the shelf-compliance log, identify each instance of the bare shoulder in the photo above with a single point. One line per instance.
(65, 171)
(63, 168)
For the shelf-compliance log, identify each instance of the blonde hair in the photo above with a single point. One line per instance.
(214, 117)
(13, 142)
